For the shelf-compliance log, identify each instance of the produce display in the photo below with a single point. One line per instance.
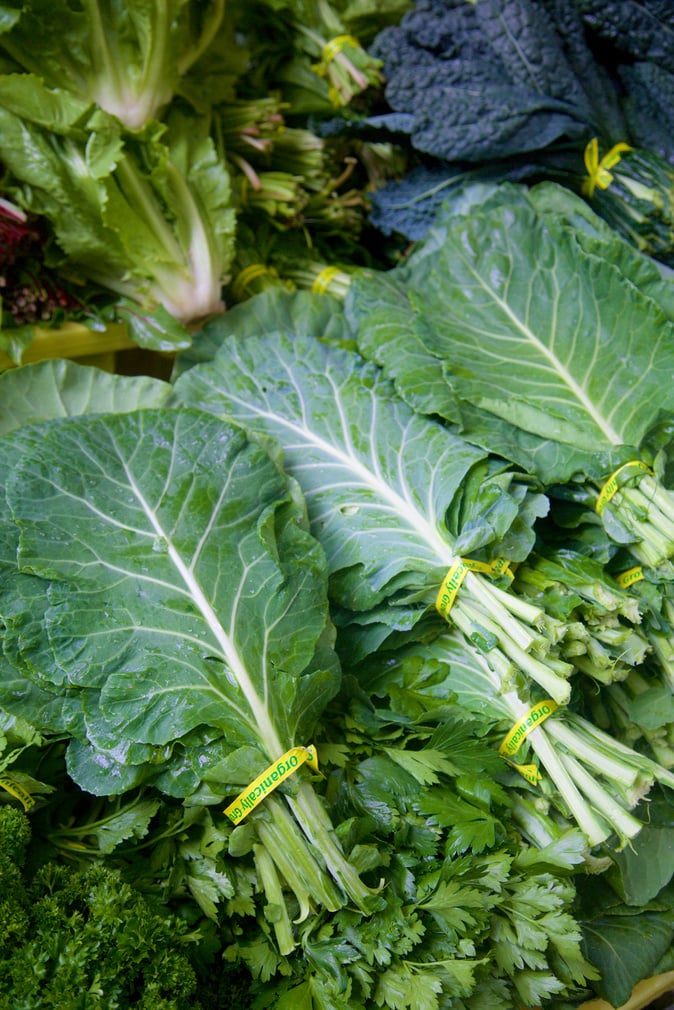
(337, 667)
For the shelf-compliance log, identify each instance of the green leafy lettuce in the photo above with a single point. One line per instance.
(147, 215)
(128, 60)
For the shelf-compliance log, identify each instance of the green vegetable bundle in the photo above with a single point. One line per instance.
(567, 90)
(170, 627)
(165, 622)
(174, 656)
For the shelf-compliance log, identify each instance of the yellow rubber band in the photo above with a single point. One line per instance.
(457, 573)
(335, 46)
(13, 787)
(323, 279)
(537, 714)
(270, 779)
(598, 173)
(499, 566)
(628, 578)
(250, 273)
(611, 486)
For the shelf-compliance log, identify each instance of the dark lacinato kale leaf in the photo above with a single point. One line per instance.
(487, 80)
(445, 28)
(519, 31)
(639, 29)
(596, 79)
(410, 205)
(649, 106)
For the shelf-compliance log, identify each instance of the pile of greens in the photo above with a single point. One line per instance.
(169, 542)
(197, 577)
(337, 672)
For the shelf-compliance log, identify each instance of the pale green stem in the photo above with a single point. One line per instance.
(600, 762)
(623, 823)
(316, 825)
(280, 920)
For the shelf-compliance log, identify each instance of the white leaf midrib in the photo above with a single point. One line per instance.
(235, 662)
(400, 505)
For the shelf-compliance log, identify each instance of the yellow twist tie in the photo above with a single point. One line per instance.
(270, 779)
(13, 787)
(457, 573)
(323, 279)
(628, 578)
(335, 46)
(531, 719)
(598, 173)
(612, 486)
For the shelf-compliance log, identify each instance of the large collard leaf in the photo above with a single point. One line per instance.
(47, 391)
(421, 676)
(378, 479)
(538, 335)
(379, 311)
(626, 949)
(182, 599)
(299, 313)
(545, 338)
(59, 388)
(597, 237)
(392, 496)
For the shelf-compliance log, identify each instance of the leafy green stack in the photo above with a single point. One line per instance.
(381, 487)
(245, 593)
(540, 335)
(164, 618)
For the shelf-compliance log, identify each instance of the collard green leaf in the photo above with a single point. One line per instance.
(297, 314)
(59, 388)
(378, 480)
(644, 869)
(553, 357)
(181, 586)
(552, 342)
(625, 949)
(379, 309)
